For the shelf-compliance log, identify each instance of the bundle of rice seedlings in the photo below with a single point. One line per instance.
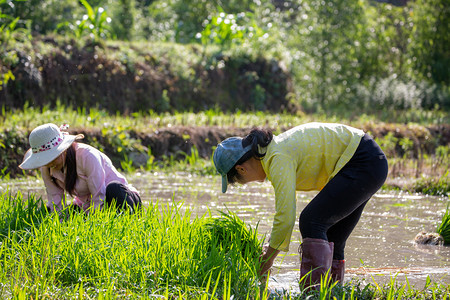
(231, 251)
(228, 231)
(444, 228)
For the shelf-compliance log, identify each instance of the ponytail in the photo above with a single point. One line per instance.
(258, 139)
(71, 173)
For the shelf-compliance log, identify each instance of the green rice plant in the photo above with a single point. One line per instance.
(19, 214)
(444, 227)
(194, 163)
(433, 186)
(161, 250)
(31, 116)
(229, 231)
(235, 247)
(395, 290)
(4, 174)
(127, 164)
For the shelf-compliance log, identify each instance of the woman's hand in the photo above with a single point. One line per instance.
(267, 258)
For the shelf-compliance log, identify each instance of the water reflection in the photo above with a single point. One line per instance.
(381, 245)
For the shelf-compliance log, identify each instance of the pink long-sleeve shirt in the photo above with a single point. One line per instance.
(94, 171)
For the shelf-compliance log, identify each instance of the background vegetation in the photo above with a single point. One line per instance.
(363, 56)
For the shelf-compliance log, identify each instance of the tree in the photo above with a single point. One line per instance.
(329, 37)
(429, 48)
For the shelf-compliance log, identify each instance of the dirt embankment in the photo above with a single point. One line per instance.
(130, 77)
(176, 141)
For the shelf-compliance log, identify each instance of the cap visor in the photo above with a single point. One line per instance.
(224, 184)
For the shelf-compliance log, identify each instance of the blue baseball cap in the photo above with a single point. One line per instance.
(226, 155)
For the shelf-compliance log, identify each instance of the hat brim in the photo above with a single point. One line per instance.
(36, 160)
(224, 183)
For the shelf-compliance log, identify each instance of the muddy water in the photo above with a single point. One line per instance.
(380, 248)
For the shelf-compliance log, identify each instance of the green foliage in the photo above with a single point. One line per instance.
(158, 251)
(19, 214)
(123, 19)
(5, 77)
(444, 227)
(329, 42)
(407, 146)
(226, 30)
(433, 186)
(12, 30)
(386, 39)
(428, 49)
(118, 137)
(45, 15)
(119, 144)
(180, 21)
(13, 145)
(229, 230)
(163, 103)
(388, 143)
(397, 94)
(95, 23)
(362, 55)
(162, 251)
(442, 154)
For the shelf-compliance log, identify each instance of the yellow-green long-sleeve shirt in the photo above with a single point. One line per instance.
(304, 158)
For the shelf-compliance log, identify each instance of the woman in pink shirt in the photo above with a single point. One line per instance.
(83, 171)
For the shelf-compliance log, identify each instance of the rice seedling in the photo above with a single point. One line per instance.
(231, 231)
(30, 117)
(444, 227)
(19, 213)
(160, 252)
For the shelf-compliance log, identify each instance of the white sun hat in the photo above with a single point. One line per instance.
(47, 142)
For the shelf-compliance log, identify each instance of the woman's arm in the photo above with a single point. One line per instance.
(91, 167)
(55, 193)
(282, 175)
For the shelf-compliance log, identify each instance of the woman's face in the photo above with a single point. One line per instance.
(57, 163)
(249, 171)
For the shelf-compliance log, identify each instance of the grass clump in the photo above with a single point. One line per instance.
(433, 186)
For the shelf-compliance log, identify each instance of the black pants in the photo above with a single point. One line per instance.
(334, 212)
(122, 197)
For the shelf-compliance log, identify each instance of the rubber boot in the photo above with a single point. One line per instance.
(338, 270)
(317, 256)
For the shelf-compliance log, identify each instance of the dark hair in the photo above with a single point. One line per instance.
(71, 164)
(256, 137)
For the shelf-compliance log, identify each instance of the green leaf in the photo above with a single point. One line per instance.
(89, 9)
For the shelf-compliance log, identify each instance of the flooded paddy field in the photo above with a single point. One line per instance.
(380, 248)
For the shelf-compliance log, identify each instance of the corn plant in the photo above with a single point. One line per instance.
(225, 29)
(95, 23)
